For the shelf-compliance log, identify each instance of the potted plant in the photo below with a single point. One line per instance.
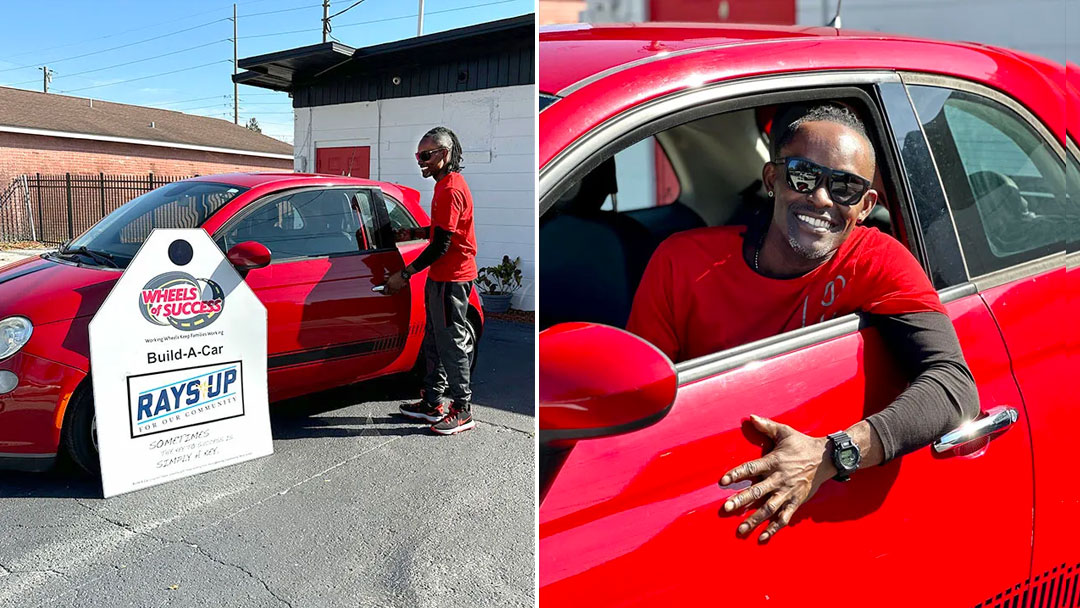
(498, 284)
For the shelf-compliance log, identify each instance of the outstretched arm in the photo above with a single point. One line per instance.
(941, 395)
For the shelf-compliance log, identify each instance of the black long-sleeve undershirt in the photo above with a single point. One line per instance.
(439, 245)
(942, 393)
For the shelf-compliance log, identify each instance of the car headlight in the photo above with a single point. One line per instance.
(14, 334)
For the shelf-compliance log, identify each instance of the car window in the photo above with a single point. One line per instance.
(308, 223)
(644, 177)
(1004, 181)
(185, 204)
(594, 258)
(400, 218)
(1072, 197)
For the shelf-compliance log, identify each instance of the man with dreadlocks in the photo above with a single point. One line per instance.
(451, 254)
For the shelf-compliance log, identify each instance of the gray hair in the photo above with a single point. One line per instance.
(446, 139)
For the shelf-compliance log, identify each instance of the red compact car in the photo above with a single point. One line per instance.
(312, 247)
(648, 130)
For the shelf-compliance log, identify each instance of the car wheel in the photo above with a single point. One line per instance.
(79, 436)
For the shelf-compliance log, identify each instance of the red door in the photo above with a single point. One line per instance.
(354, 161)
(1030, 315)
(326, 327)
(638, 520)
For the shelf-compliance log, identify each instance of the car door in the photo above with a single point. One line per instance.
(329, 248)
(1005, 174)
(637, 519)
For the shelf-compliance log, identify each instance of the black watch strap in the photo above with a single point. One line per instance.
(405, 274)
(842, 441)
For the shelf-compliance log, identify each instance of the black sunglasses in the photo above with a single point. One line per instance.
(426, 155)
(804, 176)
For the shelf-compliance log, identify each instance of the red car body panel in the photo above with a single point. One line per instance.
(583, 109)
(637, 519)
(647, 507)
(312, 304)
(1039, 354)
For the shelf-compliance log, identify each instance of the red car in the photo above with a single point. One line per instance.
(312, 248)
(647, 130)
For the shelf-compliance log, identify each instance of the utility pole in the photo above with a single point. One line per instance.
(235, 87)
(48, 77)
(420, 20)
(325, 19)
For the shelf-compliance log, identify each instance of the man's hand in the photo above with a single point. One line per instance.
(394, 284)
(791, 473)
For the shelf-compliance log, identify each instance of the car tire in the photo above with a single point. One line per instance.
(79, 435)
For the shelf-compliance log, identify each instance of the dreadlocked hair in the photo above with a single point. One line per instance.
(447, 139)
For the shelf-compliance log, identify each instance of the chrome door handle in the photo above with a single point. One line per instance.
(992, 421)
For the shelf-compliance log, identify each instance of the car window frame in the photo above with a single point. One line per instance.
(604, 140)
(1072, 258)
(1019, 270)
(269, 198)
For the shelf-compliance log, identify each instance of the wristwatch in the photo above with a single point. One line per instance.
(845, 455)
(405, 274)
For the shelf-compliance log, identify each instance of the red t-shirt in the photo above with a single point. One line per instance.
(699, 296)
(452, 210)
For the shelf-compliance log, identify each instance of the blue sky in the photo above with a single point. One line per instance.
(84, 42)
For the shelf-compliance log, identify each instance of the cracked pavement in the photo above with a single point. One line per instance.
(357, 507)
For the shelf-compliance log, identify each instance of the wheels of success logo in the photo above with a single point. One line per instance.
(182, 301)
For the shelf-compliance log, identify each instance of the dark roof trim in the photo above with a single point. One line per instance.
(325, 49)
(289, 69)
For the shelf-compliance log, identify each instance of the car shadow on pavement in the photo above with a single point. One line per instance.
(62, 481)
(301, 417)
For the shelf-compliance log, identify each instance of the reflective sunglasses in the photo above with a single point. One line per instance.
(426, 155)
(805, 176)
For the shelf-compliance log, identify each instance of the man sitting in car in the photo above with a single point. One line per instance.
(714, 288)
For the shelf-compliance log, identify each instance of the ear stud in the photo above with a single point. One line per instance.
(770, 194)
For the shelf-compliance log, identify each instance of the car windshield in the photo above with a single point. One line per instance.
(119, 235)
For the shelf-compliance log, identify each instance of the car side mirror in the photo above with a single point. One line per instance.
(248, 255)
(598, 381)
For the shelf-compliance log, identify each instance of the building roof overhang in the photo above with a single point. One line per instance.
(289, 69)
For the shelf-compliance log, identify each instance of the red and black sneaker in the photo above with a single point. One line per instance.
(422, 410)
(456, 421)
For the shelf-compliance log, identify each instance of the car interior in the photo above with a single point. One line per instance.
(305, 224)
(595, 247)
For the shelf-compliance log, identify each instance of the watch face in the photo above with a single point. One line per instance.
(847, 459)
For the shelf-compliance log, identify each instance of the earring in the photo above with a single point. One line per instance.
(770, 193)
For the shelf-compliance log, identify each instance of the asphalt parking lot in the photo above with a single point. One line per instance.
(356, 507)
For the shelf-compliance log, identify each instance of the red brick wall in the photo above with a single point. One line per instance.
(20, 153)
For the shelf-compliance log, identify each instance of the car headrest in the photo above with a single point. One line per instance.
(594, 188)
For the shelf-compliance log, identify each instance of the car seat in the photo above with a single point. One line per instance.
(593, 259)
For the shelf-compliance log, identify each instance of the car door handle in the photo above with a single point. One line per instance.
(993, 420)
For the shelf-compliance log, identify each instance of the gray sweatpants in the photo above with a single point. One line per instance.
(446, 342)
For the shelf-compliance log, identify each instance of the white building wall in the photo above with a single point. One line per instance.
(1034, 26)
(496, 128)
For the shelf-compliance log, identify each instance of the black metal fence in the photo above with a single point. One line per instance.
(57, 208)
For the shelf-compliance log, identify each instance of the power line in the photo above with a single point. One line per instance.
(216, 105)
(284, 10)
(123, 46)
(354, 5)
(128, 31)
(119, 65)
(109, 84)
(412, 16)
(167, 103)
